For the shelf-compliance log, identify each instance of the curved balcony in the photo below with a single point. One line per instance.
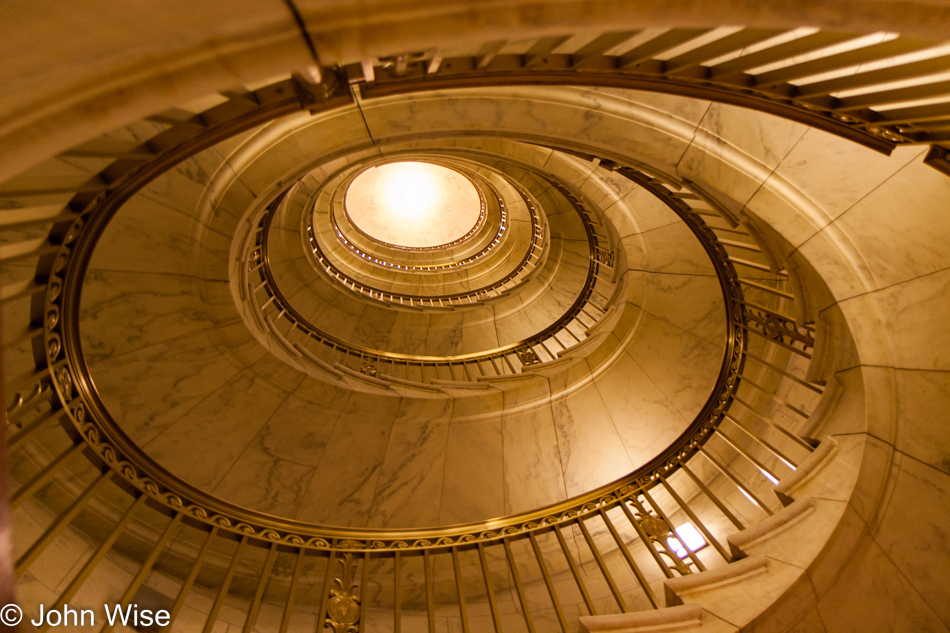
(657, 179)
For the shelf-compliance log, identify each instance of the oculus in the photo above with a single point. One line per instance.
(413, 204)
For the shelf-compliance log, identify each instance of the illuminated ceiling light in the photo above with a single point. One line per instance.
(414, 204)
(687, 536)
(409, 191)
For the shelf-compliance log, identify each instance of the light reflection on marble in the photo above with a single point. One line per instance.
(687, 382)
(533, 474)
(590, 447)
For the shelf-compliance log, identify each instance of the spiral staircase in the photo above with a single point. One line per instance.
(688, 275)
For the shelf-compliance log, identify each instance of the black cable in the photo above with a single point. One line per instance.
(303, 30)
(365, 124)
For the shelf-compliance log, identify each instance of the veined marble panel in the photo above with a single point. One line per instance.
(261, 481)
(147, 236)
(344, 485)
(533, 475)
(911, 313)
(646, 420)
(123, 312)
(836, 173)
(591, 449)
(681, 364)
(669, 249)
(922, 432)
(204, 443)
(410, 332)
(691, 302)
(735, 150)
(876, 584)
(409, 489)
(473, 487)
(179, 375)
(904, 218)
(922, 551)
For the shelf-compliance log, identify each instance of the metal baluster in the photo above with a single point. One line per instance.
(516, 576)
(44, 476)
(60, 524)
(364, 597)
(574, 570)
(641, 579)
(486, 574)
(15, 440)
(190, 580)
(225, 585)
(752, 460)
(656, 506)
(261, 587)
(769, 447)
(146, 568)
(712, 497)
(430, 590)
(93, 562)
(325, 591)
(397, 594)
(781, 371)
(547, 581)
(695, 519)
(778, 427)
(725, 471)
(458, 587)
(603, 567)
(646, 540)
(292, 594)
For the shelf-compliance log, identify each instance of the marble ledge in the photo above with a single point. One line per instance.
(676, 588)
(778, 522)
(812, 464)
(683, 618)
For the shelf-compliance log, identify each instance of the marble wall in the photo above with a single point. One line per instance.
(870, 226)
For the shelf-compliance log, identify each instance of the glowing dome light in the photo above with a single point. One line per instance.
(410, 191)
(413, 204)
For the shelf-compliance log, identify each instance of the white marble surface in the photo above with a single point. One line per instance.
(590, 446)
(918, 499)
(533, 475)
(320, 452)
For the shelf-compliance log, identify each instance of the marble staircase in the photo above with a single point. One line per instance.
(766, 587)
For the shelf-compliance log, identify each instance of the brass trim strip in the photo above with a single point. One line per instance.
(74, 388)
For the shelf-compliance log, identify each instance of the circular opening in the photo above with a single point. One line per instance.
(413, 205)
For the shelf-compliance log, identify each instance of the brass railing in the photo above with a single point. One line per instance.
(531, 256)
(328, 352)
(815, 78)
(60, 392)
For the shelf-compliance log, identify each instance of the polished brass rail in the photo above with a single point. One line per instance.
(828, 89)
(630, 511)
(531, 257)
(270, 306)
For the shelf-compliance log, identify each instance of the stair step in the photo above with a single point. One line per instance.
(806, 470)
(680, 618)
(775, 524)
